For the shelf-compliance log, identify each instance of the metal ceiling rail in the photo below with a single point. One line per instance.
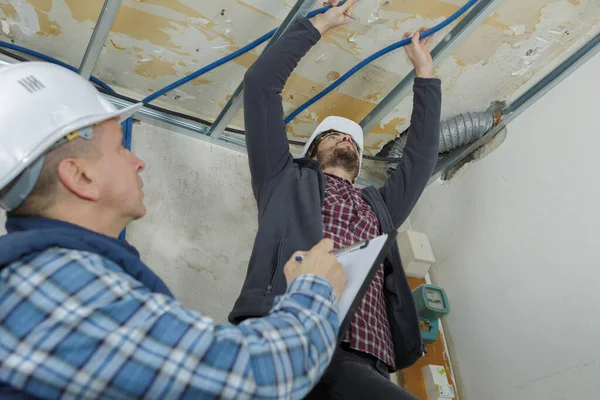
(450, 42)
(591, 48)
(185, 126)
(163, 119)
(188, 126)
(547, 83)
(300, 9)
(96, 43)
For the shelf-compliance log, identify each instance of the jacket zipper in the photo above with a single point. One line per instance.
(271, 280)
(275, 272)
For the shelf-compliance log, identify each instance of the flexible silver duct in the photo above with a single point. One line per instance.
(464, 129)
(454, 132)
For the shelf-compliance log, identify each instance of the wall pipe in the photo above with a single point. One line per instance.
(457, 131)
(547, 83)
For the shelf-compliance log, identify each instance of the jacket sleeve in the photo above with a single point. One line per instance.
(266, 138)
(98, 333)
(402, 190)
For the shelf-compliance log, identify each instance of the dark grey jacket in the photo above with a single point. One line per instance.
(289, 192)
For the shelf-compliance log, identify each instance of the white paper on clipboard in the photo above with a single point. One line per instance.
(357, 264)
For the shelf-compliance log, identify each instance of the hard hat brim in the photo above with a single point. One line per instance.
(127, 112)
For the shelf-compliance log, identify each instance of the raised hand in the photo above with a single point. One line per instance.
(418, 53)
(335, 16)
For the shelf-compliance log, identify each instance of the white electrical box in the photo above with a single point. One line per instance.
(436, 383)
(415, 251)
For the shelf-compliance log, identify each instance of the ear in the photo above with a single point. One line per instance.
(76, 177)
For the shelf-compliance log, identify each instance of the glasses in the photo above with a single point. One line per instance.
(330, 136)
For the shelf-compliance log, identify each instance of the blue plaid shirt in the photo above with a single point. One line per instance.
(74, 325)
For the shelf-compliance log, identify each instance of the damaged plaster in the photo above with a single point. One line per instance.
(155, 42)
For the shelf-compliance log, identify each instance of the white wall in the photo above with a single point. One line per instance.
(516, 238)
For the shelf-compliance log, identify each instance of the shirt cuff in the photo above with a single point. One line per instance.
(312, 284)
(315, 34)
(428, 81)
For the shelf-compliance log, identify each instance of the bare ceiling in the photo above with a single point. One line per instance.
(155, 42)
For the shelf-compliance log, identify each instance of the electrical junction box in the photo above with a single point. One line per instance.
(441, 392)
(436, 383)
(431, 301)
(415, 251)
(432, 304)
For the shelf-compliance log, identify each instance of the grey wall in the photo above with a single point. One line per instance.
(201, 219)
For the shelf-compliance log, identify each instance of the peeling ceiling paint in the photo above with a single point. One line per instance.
(155, 42)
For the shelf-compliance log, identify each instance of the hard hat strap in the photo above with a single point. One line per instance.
(84, 133)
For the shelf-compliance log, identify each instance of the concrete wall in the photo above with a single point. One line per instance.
(201, 220)
(516, 239)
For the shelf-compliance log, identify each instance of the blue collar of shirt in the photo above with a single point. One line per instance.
(28, 235)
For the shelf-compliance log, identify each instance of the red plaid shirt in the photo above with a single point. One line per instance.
(347, 219)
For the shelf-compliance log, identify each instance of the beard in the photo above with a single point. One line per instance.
(340, 157)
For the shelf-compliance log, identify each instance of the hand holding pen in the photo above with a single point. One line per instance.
(320, 261)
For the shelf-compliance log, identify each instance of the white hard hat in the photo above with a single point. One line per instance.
(40, 103)
(339, 124)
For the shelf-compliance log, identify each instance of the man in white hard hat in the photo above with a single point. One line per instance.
(303, 200)
(81, 316)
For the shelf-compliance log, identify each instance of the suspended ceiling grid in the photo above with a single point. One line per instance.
(155, 42)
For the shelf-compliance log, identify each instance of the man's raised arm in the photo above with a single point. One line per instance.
(266, 138)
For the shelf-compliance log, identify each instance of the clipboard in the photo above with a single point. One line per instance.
(360, 262)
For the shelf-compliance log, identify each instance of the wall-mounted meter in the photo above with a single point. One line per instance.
(432, 304)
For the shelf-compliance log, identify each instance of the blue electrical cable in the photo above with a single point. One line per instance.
(210, 67)
(127, 133)
(330, 88)
(250, 47)
(223, 60)
(128, 124)
(52, 60)
(127, 129)
(374, 57)
(98, 82)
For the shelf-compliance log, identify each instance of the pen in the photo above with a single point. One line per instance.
(357, 246)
